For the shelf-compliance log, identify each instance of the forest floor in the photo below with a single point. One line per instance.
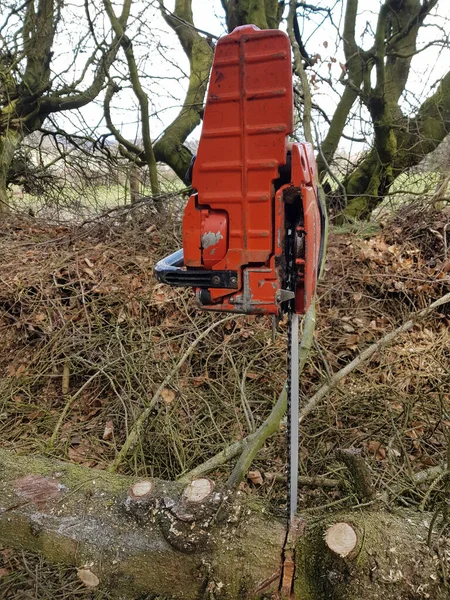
(88, 336)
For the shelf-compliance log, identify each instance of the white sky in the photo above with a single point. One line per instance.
(166, 84)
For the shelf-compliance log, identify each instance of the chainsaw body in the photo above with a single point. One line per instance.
(253, 226)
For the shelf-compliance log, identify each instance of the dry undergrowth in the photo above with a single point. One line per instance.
(27, 576)
(88, 334)
(86, 329)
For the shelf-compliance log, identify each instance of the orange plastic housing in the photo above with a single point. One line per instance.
(235, 219)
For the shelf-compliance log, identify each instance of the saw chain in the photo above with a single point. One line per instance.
(294, 250)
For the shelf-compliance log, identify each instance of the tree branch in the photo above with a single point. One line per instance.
(133, 150)
(367, 354)
(169, 148)
(300, 72)
(127, 47)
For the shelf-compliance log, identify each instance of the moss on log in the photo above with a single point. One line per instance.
(132, 537)
(135, 543)
(391, 560)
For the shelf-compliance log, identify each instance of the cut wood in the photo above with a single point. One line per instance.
(89, 578)
(157, 544)
(141, 488)
(341, 538)
(198, 490)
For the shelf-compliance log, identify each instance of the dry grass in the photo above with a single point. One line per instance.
(27, 576)
(91, 306)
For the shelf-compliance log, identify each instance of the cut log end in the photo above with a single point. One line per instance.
(341, 538)
(140, 489)
(198, 490)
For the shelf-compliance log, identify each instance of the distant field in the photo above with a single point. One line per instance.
(410, 187)
(73, 201)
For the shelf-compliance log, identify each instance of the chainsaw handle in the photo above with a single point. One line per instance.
(171, 270)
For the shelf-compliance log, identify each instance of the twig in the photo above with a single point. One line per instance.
(250, 445)
(367, 355)
(300, 71)
(66, 408)
(429, 474)
(139, 423)
(433, 485)
(279, 409)
(304, 480)
(271, 424)
(224, 455)
(328, 168)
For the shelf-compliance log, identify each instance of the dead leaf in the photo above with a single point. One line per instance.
(135, 283)
(252, 375)
(109, 430)
(3, 572)
(375, 448)
(89, 578)
(352, 341)
(77, 455)
(199, 380)
(168, 396)
(255, 477)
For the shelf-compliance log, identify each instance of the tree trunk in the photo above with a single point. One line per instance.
(9, 142)
(160, 538)
(399, 142)
(265, 14)
(135, 184)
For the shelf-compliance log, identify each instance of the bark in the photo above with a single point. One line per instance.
(135, 184)
(157, 538)
(169, 148)
(9, 142)
(397, 145)
(136, 539)
(412, 140)
(265, 14)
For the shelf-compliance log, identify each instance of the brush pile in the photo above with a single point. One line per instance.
(88, 336)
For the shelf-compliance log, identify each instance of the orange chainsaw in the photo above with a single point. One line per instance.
(253, 228)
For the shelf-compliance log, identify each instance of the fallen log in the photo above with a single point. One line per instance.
(147, 536)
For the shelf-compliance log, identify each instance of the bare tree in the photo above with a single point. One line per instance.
(33, 85)
(372, 89)
(169, 148)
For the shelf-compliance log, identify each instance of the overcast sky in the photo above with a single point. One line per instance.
(166, 83)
